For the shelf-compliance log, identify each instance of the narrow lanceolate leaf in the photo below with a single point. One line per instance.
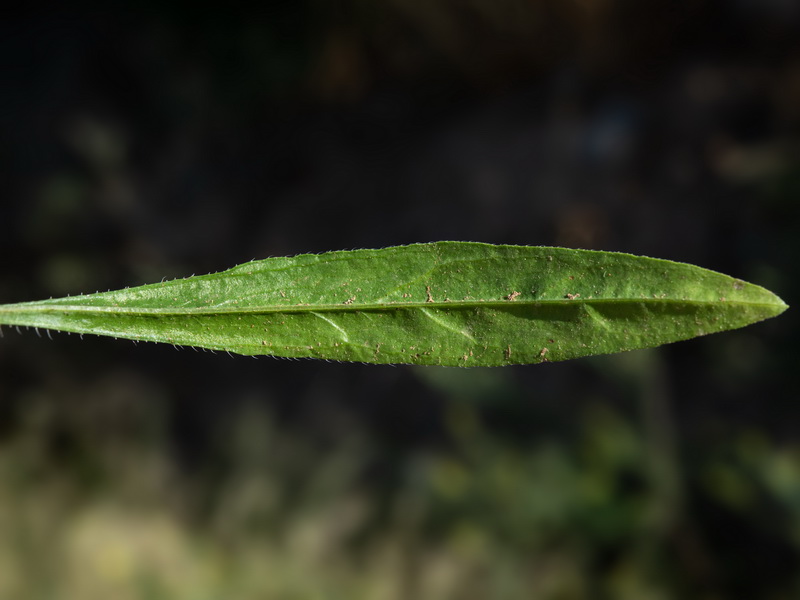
(444, 303)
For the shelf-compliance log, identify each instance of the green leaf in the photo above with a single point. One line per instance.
(443, 303)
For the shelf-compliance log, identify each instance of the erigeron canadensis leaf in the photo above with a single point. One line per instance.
(442, 303)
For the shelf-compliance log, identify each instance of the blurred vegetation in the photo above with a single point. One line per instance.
(154, 141)
(602, 505)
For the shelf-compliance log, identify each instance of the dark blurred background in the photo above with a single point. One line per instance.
(163, 139)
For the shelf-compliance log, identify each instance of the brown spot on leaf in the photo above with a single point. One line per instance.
(513, 296)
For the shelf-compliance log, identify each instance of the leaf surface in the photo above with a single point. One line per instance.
(442, 303)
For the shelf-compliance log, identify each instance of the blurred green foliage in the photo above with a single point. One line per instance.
(598, 507)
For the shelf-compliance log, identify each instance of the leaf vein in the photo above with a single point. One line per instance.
(441, 322)
(345, 337)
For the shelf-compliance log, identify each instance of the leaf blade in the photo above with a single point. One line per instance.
(447, 303)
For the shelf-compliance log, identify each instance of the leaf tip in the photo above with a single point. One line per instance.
(774, 305)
